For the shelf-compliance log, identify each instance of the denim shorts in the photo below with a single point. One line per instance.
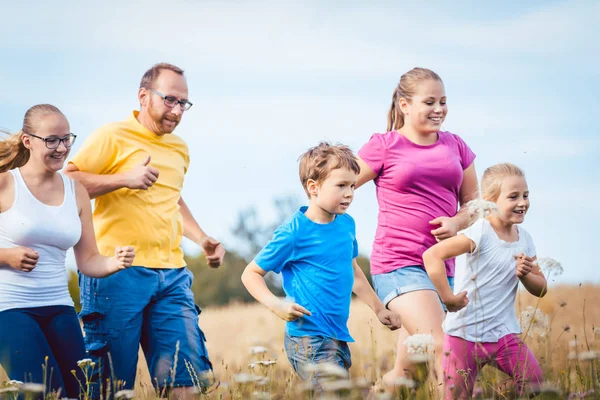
(151, 307)
(304, 350)
(390, 285)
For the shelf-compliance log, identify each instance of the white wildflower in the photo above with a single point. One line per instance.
(32, 388)
(588, 355)
(263, 363)
(419, 344)
(550, 266)
(534, 322)
(245, 378)
(258, 350)
(404, 382)
(479, 208)
(337, 386)
(326, 370)
(125, 394)
(86, 362)
(13, 382)
(261, 396)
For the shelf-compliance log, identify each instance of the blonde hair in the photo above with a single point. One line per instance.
(13, 153)
(318, 162)
(406, 89)
(491, 181)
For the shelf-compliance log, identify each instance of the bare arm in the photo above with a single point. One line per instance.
(366, 173)
(530, 275)
(140, 177)
(89, 261)
(213, 249)
(434, 258)
(450, 226)
(254, 281)
(365, 292)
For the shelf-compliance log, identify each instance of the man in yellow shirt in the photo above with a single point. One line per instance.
(134, 170)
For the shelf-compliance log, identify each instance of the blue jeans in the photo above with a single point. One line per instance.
(304, 350)
(151, 307)
(392, 284)
(29, 335)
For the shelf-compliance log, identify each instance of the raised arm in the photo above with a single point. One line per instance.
(140, 177)
(434, 258)
(89, 260)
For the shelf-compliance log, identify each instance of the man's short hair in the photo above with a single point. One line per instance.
(152, 74)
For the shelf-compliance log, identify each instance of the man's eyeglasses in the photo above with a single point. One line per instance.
(172, 101)
(52, 142)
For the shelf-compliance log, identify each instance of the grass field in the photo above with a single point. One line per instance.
(574, 313)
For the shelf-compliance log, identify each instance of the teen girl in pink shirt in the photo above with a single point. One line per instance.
(421, 175)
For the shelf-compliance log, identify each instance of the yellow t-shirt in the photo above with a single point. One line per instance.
(149, 220)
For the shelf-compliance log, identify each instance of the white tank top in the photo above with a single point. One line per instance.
(49, 230)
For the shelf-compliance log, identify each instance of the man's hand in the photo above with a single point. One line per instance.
(289, 311)
(142, 176)
(389, 319)
(447, 228)
(213, 250)
(21, 258)
(524, 265)
(457, 302)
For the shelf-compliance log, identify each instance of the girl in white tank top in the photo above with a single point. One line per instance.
(42, 215)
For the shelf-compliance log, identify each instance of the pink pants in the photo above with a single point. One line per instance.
(464, 359)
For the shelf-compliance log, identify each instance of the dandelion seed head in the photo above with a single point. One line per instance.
(337, 386)
(588, 355)
(479, 208)
(258, 350)
(326, 370)
(404, 382)
(535, 322)
(550, 266)
(419, 344)
(125, 394)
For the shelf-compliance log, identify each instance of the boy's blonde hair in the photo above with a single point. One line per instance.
(491, 181)
(318, 162)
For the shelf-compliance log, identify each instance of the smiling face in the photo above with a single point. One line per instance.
(161, 118)
(52, 127)
(513, 200)
(426, 110)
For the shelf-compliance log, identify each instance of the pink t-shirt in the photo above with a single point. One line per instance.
(415, 184)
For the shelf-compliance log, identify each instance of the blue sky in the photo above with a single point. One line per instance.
(269, 79)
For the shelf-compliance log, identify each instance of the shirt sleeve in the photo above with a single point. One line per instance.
(278, 252)
(465, 153)
(373, 153)
(98, 154)
(476, 233)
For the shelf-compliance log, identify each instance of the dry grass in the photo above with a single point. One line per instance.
(231, 331)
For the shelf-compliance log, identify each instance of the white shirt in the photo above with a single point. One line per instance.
(489, 277)
(49, 230)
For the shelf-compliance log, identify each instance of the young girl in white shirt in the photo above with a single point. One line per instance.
(482, 325)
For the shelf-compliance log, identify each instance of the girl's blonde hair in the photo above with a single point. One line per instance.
(13, 153)
(491, 181)
(407, 87)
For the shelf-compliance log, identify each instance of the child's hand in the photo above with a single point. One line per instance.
(447, 228)
(524, 265)
(389, 319)
(124, 257)
(288, 311)
(457, 302)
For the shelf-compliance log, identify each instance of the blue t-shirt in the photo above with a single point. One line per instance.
(316, 263)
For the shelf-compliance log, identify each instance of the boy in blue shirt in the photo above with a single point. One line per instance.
(315, 250)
